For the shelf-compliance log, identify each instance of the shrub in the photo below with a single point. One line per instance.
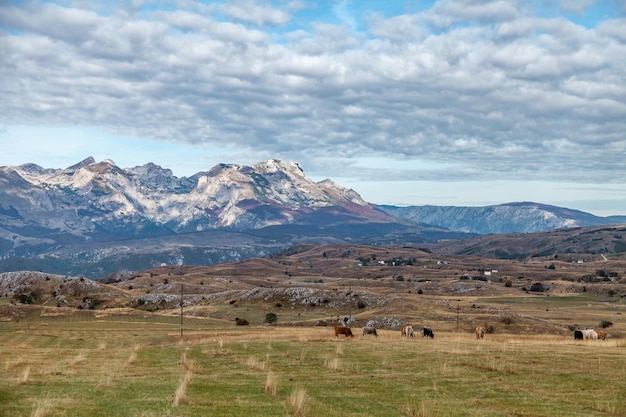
(361, 304)
(537, 287)
(588, 278)
(605, 323)
(271, 318)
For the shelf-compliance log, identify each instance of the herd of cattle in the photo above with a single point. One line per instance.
(590, 334)
(408, 332)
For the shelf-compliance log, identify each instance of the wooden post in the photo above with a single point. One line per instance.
(182, 294)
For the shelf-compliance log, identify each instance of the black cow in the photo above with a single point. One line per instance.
(369, 330)
(427, 332)
(578, 335)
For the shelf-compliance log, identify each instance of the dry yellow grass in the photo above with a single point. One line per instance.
(181, 390)
(42, 407)
(297, 402)
(222, 369)
(271, 384)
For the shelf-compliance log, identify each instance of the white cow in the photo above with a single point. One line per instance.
(589, 334)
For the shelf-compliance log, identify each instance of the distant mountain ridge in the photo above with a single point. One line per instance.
(521, 217)
(91, 195)
(94, 218)
(91, 212)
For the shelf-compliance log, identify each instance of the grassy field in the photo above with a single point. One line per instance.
(137, 364)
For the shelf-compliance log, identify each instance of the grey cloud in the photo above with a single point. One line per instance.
(576, 6)
(448, 12)
(399, 28)
(252, 12)
(518, 96)
(51, 20)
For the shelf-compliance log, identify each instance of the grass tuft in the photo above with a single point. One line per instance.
(42, 408)
(24, 376)
(332, 363)
(180, 396)
(271, 384)
(254, 363)
(297, 402)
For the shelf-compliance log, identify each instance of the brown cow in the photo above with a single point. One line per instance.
(480, 332)
(602, 335)
(407, 330)
(343, 330)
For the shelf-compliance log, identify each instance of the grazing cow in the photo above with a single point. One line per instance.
(407, 330)
(343, 330)
(480, 332)
(590, 334)
(602, 335)
(427, 332)
(578, 335)
(369, 330)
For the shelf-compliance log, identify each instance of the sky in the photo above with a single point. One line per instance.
(449, 102)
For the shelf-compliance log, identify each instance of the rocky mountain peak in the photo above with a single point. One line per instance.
(85, 162)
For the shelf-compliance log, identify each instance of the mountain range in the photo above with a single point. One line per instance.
(525, 217)
(94, 218)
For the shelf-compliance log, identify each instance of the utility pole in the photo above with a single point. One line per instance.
(182, 294)
(350, 303)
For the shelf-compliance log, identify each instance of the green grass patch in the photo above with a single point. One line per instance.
(121, 367)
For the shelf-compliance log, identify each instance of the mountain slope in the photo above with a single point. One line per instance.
(99, 217)
(525, 217)
(94, 218)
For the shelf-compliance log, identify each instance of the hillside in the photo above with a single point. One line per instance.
(95, 218)
(524, 217)
(317, 284)
(569, 244)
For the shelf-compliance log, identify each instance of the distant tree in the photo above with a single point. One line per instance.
(271, 318)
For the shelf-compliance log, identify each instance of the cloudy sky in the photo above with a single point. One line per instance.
(450, 102)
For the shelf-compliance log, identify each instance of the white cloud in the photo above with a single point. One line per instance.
(251, 12)
(459, 84)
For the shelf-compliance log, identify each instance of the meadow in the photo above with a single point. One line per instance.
(132, 363)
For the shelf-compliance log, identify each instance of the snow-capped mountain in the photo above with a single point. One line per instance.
(95, 218)
(46, 211)
(99, 197)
